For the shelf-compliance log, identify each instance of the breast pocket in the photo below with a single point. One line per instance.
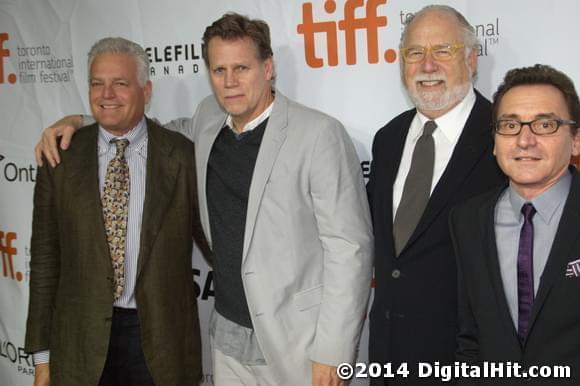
(309, 298)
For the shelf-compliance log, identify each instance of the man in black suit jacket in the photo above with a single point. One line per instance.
(518, 247)
(413, 317)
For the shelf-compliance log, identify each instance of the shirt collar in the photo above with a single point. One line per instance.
(253, 123)
(452, 122)
(547, 202)
(137, 137)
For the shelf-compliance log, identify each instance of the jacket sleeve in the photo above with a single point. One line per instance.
(344, 226)
(467, 336)
(44, 264)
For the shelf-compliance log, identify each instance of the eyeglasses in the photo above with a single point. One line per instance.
(440, 52)
(540, 126)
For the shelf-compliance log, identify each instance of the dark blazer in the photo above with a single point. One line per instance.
(71, 297)
(487, 332)
(414, 312)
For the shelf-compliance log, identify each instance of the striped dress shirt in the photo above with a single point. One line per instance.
(136, 155)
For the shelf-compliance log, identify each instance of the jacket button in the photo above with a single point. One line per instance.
(387, 315)
(396, 273)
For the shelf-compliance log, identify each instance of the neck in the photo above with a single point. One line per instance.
(240, 123)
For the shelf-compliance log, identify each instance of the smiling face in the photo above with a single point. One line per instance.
(435, 87)
(116, 97)
(239, 78)
(534, 163)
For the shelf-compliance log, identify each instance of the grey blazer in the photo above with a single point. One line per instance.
(307, 257)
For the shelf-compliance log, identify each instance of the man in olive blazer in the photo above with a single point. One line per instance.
(71, 292)
(71, 311)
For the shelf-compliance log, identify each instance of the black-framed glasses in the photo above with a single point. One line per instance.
(440, 52)
(540, 126)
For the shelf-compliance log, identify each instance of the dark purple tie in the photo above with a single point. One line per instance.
(526, 271)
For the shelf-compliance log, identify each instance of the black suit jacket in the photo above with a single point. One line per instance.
(414, 312)
(487, 332)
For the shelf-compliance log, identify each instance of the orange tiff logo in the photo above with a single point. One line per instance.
(370, 22)
(8, 253)
(5, 53)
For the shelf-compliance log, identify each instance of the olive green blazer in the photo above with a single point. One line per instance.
(71, 297)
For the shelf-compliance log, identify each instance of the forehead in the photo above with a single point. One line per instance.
(114, 64)
(434, 27)
(532, 100)
(223, 51)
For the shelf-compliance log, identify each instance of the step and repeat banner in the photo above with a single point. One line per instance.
(43, 76)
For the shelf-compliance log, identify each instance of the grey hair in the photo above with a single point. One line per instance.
(118, 45)
(468, 30)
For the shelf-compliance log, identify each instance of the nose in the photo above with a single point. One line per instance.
(429, 64)
(231, 79)
(108, 91)
(526, 138)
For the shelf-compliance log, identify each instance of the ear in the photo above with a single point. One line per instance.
(472, 61)
(147, 91)
(269, 68)
(576, 143)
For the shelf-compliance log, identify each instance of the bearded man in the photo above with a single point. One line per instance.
(425, 161)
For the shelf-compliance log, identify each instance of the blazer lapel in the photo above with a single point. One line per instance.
(82, 173)
(385, 189)
(566, 236)
(203, 146)
(465, 155)
(274, 136)
(160, 182)
(487, 229)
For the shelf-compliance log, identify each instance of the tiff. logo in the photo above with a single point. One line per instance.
(370, 22)
(5, 53)
(8, 252)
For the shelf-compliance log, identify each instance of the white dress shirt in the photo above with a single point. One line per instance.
(445, 137)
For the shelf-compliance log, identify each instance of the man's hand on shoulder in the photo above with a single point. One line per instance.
(47, 146)
(41, 375)
(325, 375)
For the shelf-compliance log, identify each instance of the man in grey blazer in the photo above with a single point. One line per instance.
(283, 204)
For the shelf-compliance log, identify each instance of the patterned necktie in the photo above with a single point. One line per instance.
(526, 271)
(417, 188)
(115, 201)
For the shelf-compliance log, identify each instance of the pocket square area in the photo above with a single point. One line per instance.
(573, 269)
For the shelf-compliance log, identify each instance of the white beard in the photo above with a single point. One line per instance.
(437, 100)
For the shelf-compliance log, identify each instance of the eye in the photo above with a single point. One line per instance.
(509, 125)
(443, 52)
(95, 83)
(241, 68)
(414, 52)
(122, 83)
(548, 125)
(218, 70)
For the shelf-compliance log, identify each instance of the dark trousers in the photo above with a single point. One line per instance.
(125, 364)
